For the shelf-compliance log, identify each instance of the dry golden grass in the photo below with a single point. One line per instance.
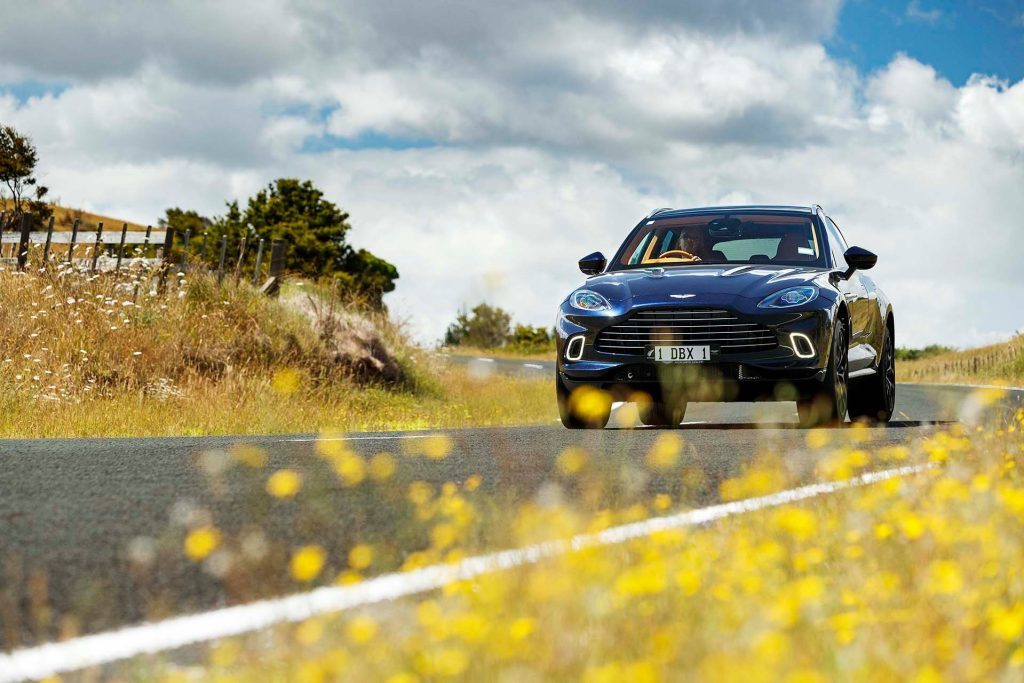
(106, 355)
(995, 364)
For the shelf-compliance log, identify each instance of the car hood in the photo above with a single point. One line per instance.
(701, 283)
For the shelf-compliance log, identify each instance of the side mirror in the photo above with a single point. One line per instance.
(593, 264)
(859, 259)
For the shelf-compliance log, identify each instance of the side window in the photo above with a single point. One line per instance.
(836, 243)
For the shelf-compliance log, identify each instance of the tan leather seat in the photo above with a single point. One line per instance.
(789, 248)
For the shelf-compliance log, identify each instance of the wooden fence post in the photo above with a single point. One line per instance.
(241, 257)
(120, 249)
(165, 257)
(206, 238)
(276, 258)
(74, 236)
(49, 239)
(26, 229)
(223, 254)
(259, 263)
(97, 246)
(145, 243)
(184, 250)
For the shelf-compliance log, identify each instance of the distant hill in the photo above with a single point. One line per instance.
(65, 217)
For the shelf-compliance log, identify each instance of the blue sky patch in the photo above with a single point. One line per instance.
(366, 140)
(956, 38)
(26, 90)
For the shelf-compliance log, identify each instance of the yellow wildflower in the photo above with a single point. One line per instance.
(201, 542)
(307, 562)
(284, 483)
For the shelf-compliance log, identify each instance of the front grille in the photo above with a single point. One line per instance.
(718, 328)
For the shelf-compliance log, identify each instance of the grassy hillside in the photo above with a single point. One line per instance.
(87, 355)
(988, 364)
(64, 218)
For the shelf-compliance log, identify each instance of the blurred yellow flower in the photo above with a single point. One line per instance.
(361, 629)
(911, 525)
(284, 483)
(307, 562)
(382, 466)
(665, 452)
(253, 456)
(589, 403)
(201, 542)
(446, 662)
(442, 536)
(571, 460)
(521, 628)
(420, 492)
(310, 631)
(403, 677)
(436, 446)
(1007, 623)
(800, 523)
(473, 482)
(360, 557)
(351, 469)
(817, 438)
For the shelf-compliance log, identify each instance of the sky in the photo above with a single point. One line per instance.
(484, 147)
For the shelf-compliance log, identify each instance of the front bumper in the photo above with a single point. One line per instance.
(729, 375)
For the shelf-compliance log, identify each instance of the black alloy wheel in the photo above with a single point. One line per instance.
(874, 398)
(829, 405)
(662, 414)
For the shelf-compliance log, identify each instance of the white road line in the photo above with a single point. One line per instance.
(376, 437)
(486, 360)
(103, 648)
(533, 365)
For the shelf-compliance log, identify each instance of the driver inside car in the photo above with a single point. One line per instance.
(692, 241)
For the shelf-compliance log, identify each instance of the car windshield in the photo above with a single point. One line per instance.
(747, 238)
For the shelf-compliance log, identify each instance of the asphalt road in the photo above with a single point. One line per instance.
(73, 513)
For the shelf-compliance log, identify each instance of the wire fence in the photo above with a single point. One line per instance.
(101, 251)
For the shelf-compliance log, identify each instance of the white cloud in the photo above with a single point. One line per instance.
(557, 130)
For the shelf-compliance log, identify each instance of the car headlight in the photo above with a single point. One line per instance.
(586, 300)
(788, 298)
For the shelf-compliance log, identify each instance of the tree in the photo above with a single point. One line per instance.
(312, 228)
(366, 276)
(18, 160)
(530, 339)
(486, 327)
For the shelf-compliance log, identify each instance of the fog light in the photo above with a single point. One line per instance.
(802, 345)
(574, 348)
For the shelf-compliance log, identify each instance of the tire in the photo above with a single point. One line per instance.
(829, 405)
(874, 398)
(659, 414)
(595, 418)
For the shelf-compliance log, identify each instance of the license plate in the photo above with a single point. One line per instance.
(681, 354)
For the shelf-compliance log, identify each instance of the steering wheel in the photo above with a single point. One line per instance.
(679, 253)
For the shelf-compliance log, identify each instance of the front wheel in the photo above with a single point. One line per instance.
(874, 398)
(662, 414)
(829, 405)
(584, 408)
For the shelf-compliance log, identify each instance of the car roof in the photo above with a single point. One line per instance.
(766, 208)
